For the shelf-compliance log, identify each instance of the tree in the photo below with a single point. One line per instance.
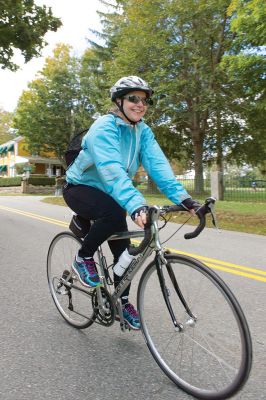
(178, 47)
(104, 53)
(56, 105)
(245, 77)
(116, 28)
(23, 26)
(5, 126)
(209, 85)
(165, 42)
(249, 21)
(92, 80)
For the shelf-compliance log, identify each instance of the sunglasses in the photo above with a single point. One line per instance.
(132, 98)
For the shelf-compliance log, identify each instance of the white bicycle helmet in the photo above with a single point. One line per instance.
(129, 84)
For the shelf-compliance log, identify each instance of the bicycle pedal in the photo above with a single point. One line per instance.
(123, 325)
(74, 276)
(128, 327)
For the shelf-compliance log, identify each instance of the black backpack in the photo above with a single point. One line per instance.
(74, 147)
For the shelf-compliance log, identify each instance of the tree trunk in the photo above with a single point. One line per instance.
(219, 159)
(199, 181)
(197, 141)
(151, 187)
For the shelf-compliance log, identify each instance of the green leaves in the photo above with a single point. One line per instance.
(23, 26)
(201, 58)
(249, 21)
(56, 105)
(5, 126)
(193, 53)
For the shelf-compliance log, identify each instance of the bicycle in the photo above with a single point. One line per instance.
(191, 322)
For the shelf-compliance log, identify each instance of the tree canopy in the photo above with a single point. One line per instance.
(197, 59)
(5, 126)
(57, 103)
(23, 26)
(203, 61)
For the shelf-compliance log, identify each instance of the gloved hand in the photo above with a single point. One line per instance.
(139, 216)
(190, 204)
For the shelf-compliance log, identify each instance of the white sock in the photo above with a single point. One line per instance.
(80, 259)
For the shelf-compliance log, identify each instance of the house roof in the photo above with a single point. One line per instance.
(12, 141)
(44, 160)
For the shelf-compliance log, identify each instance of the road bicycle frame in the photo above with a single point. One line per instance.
(152, 244)
(149, 245)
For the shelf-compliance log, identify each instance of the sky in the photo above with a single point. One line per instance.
(77, 17)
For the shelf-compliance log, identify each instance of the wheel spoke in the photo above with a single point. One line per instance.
(72, 300)
(210, 358)
(211, 352)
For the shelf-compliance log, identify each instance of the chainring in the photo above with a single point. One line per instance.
(104, 317)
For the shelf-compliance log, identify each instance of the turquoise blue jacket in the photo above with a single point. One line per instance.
(111, 154)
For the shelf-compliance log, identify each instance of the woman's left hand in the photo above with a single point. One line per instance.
(139, 216)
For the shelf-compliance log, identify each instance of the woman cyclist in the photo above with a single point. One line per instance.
(99, 182)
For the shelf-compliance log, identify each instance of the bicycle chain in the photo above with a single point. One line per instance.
(105, 318)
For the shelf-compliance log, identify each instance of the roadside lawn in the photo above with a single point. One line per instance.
(231, 215)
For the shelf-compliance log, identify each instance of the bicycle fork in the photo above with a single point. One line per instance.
(160, 261)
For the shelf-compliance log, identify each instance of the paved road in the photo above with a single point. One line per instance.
(44, 358)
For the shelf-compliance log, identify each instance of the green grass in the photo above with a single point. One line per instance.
(231, 193)
(56, 200)
(245, 195)
(231, 215)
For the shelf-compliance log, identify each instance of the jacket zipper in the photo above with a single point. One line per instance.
(129, 164)
(129, 153)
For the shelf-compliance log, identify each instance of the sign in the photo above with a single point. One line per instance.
(27, 168)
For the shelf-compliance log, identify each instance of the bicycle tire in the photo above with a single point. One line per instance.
(210, 360)
(61, 253)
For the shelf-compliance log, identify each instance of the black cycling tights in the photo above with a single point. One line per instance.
(109, 217)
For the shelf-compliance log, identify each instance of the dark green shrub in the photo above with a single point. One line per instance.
(16, 181)
(41, 181)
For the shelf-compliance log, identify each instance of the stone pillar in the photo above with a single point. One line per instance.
(59, 181)
(24, 186)
(217, 189)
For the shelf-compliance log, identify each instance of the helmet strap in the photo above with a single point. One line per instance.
(120, 107)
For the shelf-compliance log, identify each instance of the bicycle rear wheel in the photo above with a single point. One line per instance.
(73, 301)
(210, 358)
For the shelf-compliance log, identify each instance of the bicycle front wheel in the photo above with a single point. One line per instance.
(210, 356)
(73, 300)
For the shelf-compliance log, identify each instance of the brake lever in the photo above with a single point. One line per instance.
(211, 207)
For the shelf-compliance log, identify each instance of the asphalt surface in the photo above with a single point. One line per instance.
(42, 357)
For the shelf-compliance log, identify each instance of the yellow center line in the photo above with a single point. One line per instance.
(240, 270)
(223, 266)
(237, 272)
(227, 264)
(36, 216)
